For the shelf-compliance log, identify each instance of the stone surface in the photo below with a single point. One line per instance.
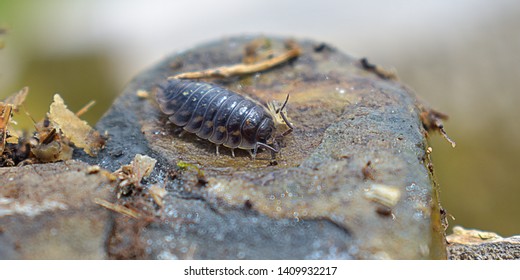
(481, 245)
(354, 132)
(46, 212)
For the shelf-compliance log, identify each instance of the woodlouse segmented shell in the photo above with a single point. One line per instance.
(216, 114)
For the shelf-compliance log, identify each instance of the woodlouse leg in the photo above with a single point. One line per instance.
(253, 155)
(182, 133)
(265, 146)
(233, 152)
(218, 154)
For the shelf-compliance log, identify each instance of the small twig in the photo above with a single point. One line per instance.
(85, 108)
(117, 208)
(445, 135)
(378, 70)
(241, 69)
(432, 120)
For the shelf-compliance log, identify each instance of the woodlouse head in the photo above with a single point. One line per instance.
(278, 122)
(266, 131)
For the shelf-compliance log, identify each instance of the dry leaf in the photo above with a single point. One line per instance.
(130, 175)
(5, 115)
(77, 130)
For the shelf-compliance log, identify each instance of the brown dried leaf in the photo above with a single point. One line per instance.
(52, 152)
(385, 195)
(432, 120)
(5, 115)
(387, 74)
(77, 130)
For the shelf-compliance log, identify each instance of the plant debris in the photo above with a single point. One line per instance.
(16, 100)
(118, 208)
(385, 195)
(244, 68)
(54, 137)
(432, 120)
(257, 50)
(187, 166)
(77, 130)
(5, 116)
(143, 94)
(157, 193)
(368, 171)
(469, 236)
(130, 175)
(387, 74)
(85, 108)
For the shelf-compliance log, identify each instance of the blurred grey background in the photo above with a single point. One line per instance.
(461, 56)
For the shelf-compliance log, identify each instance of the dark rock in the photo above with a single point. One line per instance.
(321, 200)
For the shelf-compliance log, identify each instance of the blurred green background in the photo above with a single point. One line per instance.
(462, 57)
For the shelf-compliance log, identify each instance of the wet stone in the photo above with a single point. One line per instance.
(350, 182)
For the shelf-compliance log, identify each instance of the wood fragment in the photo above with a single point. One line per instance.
(432, 120)
(242, 69)
(368, 171)
(117, 208)
(85, 108)
(387, 74)
(77, 130)
(93, 169)
(5, 115)
(143, 94)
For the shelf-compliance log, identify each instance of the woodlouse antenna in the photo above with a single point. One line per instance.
(289, 124)
(280, 111)
(283, 106)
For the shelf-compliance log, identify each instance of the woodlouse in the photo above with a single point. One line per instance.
(221, 116)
